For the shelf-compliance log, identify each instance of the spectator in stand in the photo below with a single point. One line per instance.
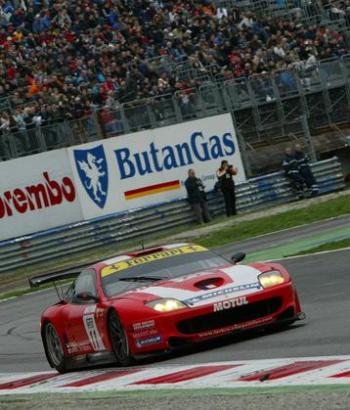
(5, 122)
(19, 129)
(86, 53)
(4, 134)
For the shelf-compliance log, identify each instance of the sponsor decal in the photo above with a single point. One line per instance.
(144, 333)
(152, 190)
(45, 194)
(196, 148)
(240, 326)
(89, 309)
(148, 341)
(123, 265)
(100, 313)
(92, 332)
(221, 292)
(148, 324)
(72, 347)
(92, 168)
(230, 304)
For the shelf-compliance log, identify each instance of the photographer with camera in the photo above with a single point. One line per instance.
(225, 176)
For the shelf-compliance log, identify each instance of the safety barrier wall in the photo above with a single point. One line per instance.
(141, 224)
(61, 187)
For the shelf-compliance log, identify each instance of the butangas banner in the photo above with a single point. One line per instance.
(150, 167)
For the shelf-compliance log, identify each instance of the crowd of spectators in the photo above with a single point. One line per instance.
(337, 9)
(62, 60)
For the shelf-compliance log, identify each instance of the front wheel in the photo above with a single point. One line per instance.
(53, 348)
(119, 340)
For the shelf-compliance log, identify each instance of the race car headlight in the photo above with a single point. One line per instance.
(269, 279)
(166, 305)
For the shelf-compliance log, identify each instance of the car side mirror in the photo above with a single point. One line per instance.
(238, 257)
(87, 297)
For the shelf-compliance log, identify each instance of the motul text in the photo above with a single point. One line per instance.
(31, 198)
(230, 304)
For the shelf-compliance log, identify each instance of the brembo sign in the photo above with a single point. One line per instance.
(65, 186)
(33, 197)
(150, 167)
(37, 193)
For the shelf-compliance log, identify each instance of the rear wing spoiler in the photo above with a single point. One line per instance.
(44, 278)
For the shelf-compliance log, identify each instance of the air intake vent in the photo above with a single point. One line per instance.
(229, 317)
(210, 283)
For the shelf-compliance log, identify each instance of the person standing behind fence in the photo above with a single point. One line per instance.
(225, 176)
(197, 197)
(305, 170)
(291, 170)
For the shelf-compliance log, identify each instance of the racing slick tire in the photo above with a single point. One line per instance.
(119, 340)
(53, 348)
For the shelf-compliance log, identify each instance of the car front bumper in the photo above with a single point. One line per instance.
(190, 325)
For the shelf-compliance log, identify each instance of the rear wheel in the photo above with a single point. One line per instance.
(119, 340)
(53, 347)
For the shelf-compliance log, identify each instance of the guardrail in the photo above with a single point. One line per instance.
(138, 224)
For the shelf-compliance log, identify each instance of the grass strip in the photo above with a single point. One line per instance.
(26, 291)
(249, 229)
(332, 246)
(19, 292)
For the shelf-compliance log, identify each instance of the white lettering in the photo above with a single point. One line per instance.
(230, 304)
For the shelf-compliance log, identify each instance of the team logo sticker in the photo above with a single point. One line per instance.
(93, 172)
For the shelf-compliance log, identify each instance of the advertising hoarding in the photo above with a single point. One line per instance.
(37, 193)
(132, 171)
(150, 167)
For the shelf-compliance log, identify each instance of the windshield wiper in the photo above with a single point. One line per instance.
(141, 278)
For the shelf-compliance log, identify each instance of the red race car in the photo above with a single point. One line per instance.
(159, 299)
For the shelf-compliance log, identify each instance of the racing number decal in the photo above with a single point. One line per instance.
(92, 332)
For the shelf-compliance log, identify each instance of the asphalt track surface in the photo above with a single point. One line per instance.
(323, 282)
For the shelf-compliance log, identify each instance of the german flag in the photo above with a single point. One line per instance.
(152, 190)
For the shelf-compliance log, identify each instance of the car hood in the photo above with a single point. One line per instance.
(205, 287)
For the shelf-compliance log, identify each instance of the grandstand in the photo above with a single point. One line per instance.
(77, 71)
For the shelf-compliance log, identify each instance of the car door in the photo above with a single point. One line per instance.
(80, 315)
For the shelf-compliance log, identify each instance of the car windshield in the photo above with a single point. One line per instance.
(168, 268)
